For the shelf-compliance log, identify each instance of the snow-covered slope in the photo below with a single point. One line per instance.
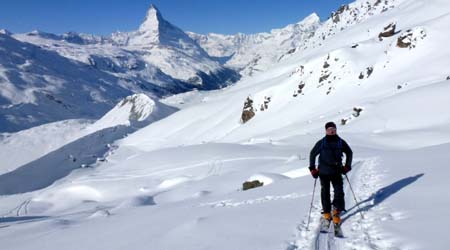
(257, 52)
(177, 183)
(26, 146)
(46, 77)
(39, 86)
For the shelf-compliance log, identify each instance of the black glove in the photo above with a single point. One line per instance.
(346, 169)
(314, 173)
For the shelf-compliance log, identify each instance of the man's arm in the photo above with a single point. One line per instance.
(312, 156)
(348, 154)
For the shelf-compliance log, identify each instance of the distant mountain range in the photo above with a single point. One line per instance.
(47, 77)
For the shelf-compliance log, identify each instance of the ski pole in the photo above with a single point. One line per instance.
(312, 200)
(354, 196)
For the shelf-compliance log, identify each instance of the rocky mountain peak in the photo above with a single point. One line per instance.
(152, 20)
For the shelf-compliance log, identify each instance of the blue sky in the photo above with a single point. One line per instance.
(103, 17)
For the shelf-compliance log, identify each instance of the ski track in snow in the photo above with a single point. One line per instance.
(359, 233)
(170, 168)
(267, 198)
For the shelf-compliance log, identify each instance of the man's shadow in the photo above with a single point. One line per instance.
(381, 195)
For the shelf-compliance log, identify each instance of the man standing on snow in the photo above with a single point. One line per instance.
(330, 170)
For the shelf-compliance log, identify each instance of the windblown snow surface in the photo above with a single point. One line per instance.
(177, 183)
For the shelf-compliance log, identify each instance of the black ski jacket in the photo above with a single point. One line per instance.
(330, 149)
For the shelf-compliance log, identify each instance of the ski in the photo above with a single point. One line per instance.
(338, 231)
(324, 225)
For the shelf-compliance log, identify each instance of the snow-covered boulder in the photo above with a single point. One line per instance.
(388, 31)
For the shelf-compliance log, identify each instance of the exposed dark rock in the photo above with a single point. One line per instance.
(335, 18)
(409, 38)
(251, 184)
(326, 65)
(343, 121)
(369, 71)
(355, 45)
(300, 87)
(248, 112)
(336, 15)
(265, 105)
(361, 75)
(388, 31)
(357, 111)
(401, 43)
(448, 78)
(291, 51)
(324, 77)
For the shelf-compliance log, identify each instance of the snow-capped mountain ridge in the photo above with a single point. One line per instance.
(256, 52)
(158, 59)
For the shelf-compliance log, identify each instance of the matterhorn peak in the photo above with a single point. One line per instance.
(156, 30)
(152, 20)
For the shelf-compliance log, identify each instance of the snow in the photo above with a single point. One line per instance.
(175, 181)
(22, 147)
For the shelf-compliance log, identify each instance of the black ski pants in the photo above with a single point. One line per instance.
(338, 187)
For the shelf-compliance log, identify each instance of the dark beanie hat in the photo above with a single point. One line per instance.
(330, 125)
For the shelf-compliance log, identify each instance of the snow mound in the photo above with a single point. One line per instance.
(138, 201)
(267, 178)
(63, 198)
(297, 173)
(173, 182)
(100, 214)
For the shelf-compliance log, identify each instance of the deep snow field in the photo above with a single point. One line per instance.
(168, 174)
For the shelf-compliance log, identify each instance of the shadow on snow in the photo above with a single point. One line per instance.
(381, 195)
(55, 165)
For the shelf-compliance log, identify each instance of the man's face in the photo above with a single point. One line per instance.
(331, 131)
